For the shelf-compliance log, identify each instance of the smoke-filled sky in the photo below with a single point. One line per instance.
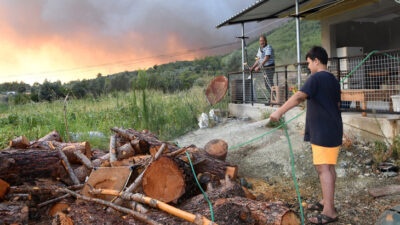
(77, 39)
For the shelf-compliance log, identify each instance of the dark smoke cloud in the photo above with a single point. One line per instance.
(140, 25)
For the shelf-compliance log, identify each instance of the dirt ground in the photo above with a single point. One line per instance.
(265, 168)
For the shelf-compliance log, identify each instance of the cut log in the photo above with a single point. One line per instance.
(146, 136)
(4, 187)
(217, 148)
(24, 165)
(124, 133)
(69, 150)
(132, 187)
(125, 151)
(52, 136)
(140, 146)
(66, 164)
(19, 142)
(246, 211)
(204, 163)
(386, 190)
(83, 159)
(81, 173)
(168, 179)
(13, 213)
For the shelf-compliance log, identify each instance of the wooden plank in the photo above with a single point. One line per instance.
(107, 178)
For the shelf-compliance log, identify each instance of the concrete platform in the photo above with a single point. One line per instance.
(370, 128)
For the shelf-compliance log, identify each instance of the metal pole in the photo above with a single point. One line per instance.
(298, 45)
(243, 75)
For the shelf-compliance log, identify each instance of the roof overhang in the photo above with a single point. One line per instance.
(308, 9)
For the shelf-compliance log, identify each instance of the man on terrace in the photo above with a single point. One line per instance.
(266, 58)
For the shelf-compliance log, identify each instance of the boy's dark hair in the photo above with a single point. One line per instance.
(318, 52)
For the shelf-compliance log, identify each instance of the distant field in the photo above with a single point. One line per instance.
(166, 115)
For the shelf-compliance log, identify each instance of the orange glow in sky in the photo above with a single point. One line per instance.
(69, 40)
(56, 58)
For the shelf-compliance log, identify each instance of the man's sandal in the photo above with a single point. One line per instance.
(316, 206)
(327, 219)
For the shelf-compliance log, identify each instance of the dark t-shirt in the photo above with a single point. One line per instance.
(323, 119)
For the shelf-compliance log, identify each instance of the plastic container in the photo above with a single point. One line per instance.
(396, 102)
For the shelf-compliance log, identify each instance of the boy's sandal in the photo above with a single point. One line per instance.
(316, 206)
(327, 219)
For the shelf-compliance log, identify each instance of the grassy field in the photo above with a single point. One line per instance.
(166, 115)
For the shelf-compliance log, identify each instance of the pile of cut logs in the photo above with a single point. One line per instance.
(141, 180)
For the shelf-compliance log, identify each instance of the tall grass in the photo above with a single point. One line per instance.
(166, 115)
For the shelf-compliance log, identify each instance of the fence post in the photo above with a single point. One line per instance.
(252, 89)
(338, 68)
(286, 85)
(229, 88)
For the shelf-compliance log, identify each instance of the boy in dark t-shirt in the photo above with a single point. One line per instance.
(324, 128)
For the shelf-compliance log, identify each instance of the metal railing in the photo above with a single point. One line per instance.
(373, 86)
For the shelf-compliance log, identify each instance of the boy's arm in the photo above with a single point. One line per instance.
(293, 101)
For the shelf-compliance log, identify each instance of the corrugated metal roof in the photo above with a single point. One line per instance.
(261, 10)
(310, 9)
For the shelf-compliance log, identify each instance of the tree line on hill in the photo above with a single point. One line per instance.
(168, 78)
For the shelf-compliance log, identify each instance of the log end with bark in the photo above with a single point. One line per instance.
(164, 180)
(217, 148)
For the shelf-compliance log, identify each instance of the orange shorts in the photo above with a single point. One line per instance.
(325, 155)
